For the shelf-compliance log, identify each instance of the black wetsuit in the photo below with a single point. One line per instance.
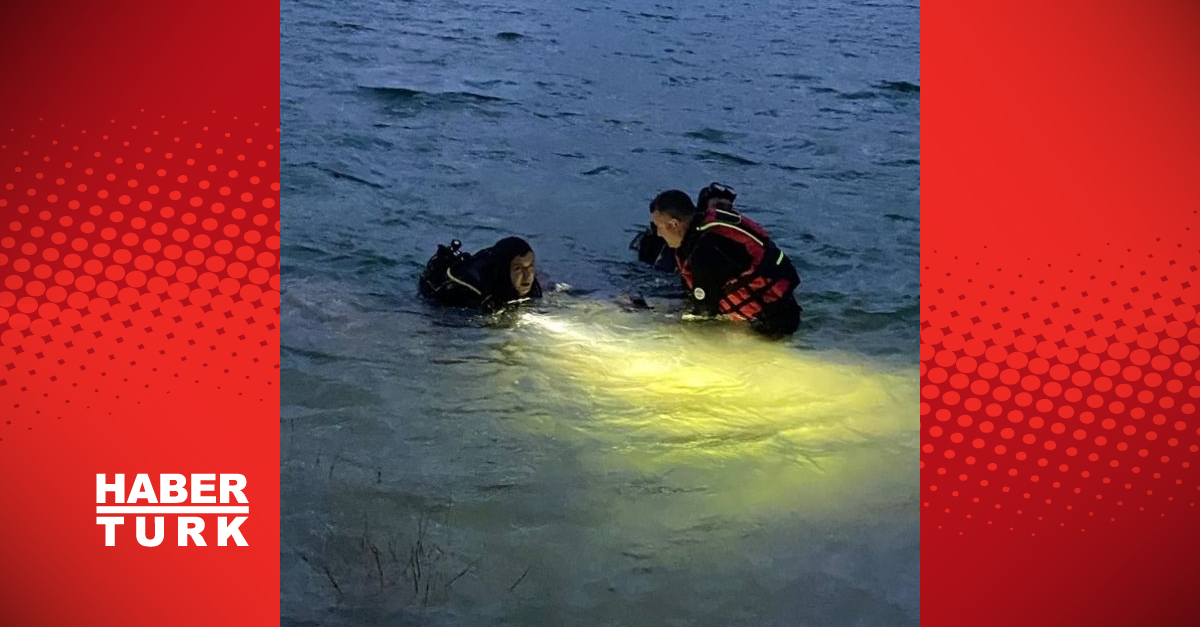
(478, 281)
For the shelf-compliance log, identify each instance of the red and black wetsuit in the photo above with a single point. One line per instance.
(731, 268)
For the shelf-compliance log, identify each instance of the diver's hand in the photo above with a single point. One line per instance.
(632, 302)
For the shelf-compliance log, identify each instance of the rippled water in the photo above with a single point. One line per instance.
(580, 464)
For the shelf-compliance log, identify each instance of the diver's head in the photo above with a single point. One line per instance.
(521, 272)
(672, 212)
(519, 259)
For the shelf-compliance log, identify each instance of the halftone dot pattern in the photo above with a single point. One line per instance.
(125, 274)
(1058, 397)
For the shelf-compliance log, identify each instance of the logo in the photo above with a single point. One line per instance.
(185, 499)
(698, 293)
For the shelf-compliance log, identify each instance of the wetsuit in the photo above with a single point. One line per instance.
(731, 268)
(481, 281)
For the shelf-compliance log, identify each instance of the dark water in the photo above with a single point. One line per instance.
(591, 466)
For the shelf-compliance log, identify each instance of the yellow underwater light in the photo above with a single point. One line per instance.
(741, 425)
(725, 393)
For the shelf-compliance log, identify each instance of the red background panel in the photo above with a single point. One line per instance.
(1059, 333)
(97, 59)
(139, 295)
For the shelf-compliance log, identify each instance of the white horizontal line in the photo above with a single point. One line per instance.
(172, 509)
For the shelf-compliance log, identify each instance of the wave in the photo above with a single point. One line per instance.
(897, 163)
(803, 78)
(338, 174)
(724, 157)
(602, 169)
(903, 87)
(883, 89)
(350, 26)
(713, 135)
(858, 95)
(410, 94)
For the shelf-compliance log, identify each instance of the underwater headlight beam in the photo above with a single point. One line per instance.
(761, 374)
(554, 325)
(760, 424)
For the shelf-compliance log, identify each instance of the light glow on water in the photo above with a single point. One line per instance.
(623, 467)
(725, 407)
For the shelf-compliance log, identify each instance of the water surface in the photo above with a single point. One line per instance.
(581, 464)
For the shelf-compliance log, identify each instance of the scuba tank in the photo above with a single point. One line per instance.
(719, 192)
(434, 278)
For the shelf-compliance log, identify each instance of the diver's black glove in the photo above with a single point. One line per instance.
(633, 302)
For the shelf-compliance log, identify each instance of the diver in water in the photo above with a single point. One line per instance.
(489, 280)
(729, 264)
(652, 249)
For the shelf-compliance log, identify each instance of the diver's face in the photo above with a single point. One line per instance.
(670, 229)
(522, 272)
